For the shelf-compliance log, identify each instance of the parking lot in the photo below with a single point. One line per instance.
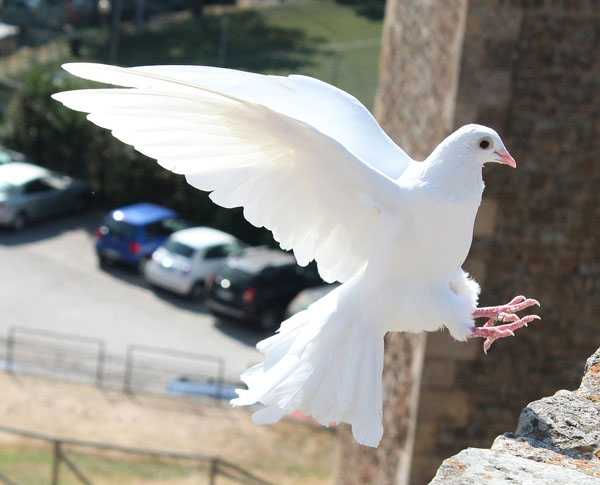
(49, 279)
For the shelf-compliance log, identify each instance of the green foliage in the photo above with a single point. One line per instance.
(373, 9)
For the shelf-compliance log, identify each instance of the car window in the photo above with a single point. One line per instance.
(215, 252)
(310, 273)
(37, 186)
(120, 228)
(235, 248)
(236, 275)
(286, 273)
(165, 228)
(181, 249)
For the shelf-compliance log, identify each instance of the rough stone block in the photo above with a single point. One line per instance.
(566, 422)
(540, 452)
(476, 466)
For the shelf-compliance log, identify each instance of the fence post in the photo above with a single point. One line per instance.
(221, 380)
(10, 351)
(128, 370)
(100, 365)
(55, 462)
(214, 471)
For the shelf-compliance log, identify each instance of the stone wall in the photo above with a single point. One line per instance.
(530, 69)
(557, 441)
(415, 105)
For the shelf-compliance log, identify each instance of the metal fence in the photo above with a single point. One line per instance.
(86, 360)
(67, 455)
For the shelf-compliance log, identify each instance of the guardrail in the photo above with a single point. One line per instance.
(143, 369)
(157, 362)
(216, 466)
(98, 345)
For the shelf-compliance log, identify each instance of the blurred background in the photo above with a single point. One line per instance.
(130, 303)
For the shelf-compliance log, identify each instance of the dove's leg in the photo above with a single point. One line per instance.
(517, 304)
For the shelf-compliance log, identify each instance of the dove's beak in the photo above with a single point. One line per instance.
(505, 158)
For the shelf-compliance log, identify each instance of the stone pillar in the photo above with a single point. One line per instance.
(415, 105)
(529, 69)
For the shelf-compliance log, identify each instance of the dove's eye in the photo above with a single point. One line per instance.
(485, 144)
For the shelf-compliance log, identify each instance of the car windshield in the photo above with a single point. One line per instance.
(237, 275)
(120, 228)
(181, 249)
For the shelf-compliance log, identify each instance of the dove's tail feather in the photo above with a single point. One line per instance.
(324, 362)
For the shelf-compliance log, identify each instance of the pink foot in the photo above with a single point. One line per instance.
(517, 304)
(506, 315)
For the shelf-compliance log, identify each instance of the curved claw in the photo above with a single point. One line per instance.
(517, 304)
(492, 333)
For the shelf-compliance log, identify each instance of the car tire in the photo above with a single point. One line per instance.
(270, 320)
(142, 265)
(197, 291)
(103, 261)
(20, 221)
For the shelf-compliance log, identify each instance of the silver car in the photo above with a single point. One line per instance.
(29, 192)
(7, 156)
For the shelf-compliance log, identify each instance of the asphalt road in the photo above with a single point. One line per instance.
(49, 279)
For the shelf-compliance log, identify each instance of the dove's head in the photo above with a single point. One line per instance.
(478, 144)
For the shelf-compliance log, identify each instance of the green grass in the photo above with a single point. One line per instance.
(320, 38)
(32, 466)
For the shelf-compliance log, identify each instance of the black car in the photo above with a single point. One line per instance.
(258, 286)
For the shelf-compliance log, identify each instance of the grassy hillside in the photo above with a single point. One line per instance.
(315, 37)
(289, 453)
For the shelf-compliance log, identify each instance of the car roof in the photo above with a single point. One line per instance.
(254, 260)
(19, 173)
(7, 155)
(201, 237)
(142, 213)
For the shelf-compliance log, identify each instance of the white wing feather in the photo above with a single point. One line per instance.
(330, 110)
(316, 196)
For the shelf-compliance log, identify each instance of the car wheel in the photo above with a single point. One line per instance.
(20, 221)
(270, 320)
(103, 261)
(197, 291)
(142, 265)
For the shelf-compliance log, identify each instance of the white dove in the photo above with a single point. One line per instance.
(309, 162)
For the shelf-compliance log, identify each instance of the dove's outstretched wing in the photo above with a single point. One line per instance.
(300, 181)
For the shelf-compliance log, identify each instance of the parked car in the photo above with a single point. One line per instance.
(187, 257)
(131, 234)
(7, 156)
(29, 192)
(307, 297)
(185, 386)
(258, 286)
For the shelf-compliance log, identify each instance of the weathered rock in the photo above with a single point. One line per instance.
(476, 466)
(566, 422)
(557, 441)
(541, 452)
(590, 385)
